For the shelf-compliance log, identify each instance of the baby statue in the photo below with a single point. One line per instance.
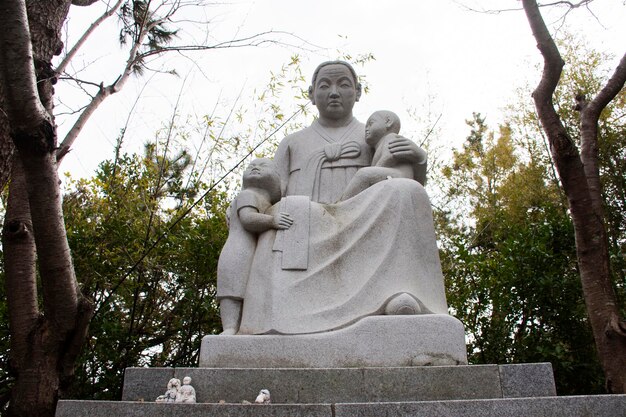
(186, 393)
(381, 127)
(172, 391)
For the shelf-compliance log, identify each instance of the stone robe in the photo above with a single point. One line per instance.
(320, 163)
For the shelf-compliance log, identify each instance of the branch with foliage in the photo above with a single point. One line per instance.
(146, 29)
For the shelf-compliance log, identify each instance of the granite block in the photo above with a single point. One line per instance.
(376, 341)
(527, 380)
(319, 385)
(138, 409)
(578, 406)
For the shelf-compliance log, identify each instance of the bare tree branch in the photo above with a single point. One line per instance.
(83, 3)
(589, 117)
(569, 4)
(613, 86)
(136, 59)
(79, 81)
(102, 94)
(579, 174)
(70, 55)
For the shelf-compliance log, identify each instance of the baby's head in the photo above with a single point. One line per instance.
(379, 124)
(262, 173)
(173, 383)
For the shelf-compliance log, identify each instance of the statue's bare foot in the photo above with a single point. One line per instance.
(229, 332)
(403, 304)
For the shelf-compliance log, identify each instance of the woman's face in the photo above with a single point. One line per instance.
(334, 92)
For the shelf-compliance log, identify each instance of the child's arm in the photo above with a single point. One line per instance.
(405, 151)
(256, 222)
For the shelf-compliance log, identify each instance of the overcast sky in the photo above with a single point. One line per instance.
(428, 53)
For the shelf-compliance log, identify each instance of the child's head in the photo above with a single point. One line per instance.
(262, 173)
(379, 124)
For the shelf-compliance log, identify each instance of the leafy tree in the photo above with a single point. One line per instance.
(510, 264)
(157, 308)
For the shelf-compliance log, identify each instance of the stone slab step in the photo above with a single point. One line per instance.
(348, 385)
(575, 406)
(579, 406)
(69, 408)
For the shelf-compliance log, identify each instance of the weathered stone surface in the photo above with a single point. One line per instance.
(138, 409)
(310, 386)
(527, 380)
(430, 339)
(580, 406)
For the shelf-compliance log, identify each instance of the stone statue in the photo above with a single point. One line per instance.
(172, 391)
(263, 397)
(261, 189)
(381, 128)
(186, 393)
(339, 261)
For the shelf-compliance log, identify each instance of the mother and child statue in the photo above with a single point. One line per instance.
(335, 228)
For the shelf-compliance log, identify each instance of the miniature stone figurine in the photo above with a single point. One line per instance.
(172, 391)
(339, 261)
(263, 397)
(381, 128)
(186, 393)
(261, 189)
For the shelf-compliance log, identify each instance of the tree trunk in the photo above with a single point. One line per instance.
(44, 345)
(579, 175)
(6, 144)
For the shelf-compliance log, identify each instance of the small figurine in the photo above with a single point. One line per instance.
(186, 393)
(172, 391)
(263, 397)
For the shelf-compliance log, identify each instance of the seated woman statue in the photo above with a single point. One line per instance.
(340, 261)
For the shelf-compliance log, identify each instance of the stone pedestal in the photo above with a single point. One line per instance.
(587, 406)
(524, 390)
(373, 368)
(375, 341)
(349, 385)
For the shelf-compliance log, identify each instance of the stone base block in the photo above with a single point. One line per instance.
(348, 385)
(137, 409)
(588, 406)
(375, 341)
(578, 406)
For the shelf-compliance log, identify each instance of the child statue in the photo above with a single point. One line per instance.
(186, 393)
(172, 391)
(261, 189)
(381, 127)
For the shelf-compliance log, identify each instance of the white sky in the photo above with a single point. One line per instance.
(468, 62)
